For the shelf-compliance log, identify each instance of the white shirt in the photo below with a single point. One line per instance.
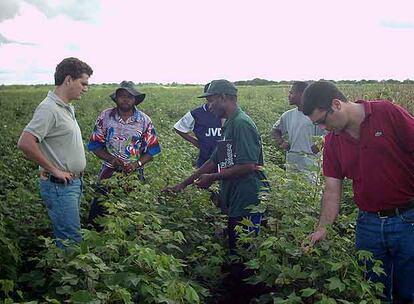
(300, 130)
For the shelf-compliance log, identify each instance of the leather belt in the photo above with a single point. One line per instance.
(54, 179)
(396, 211)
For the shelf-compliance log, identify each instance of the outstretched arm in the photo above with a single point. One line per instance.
(208, 167)
(329, 208)
(238, 170)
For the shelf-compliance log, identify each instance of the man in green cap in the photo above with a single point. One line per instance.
(236, 162)
(240, 174)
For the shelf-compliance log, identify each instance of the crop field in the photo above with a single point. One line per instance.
(164, 248)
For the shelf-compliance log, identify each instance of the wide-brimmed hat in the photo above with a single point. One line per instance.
(130, 88)
(220, 86)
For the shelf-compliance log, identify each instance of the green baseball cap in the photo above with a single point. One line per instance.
(220, 86)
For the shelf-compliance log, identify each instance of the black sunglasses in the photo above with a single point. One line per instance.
(323, 120)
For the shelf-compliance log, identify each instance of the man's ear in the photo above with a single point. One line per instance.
(336, 104)
(68, 80)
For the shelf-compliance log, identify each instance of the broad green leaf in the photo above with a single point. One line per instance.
(191, 295)
(307, 292)
(83, 296)
(336, 283)
(7, 286)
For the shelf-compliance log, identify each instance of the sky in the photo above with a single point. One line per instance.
(192, 41)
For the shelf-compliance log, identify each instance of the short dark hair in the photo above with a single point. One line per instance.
(319, 95)
(299, 86)
(73, 67)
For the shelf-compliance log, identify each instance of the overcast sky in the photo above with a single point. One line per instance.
(190, 41)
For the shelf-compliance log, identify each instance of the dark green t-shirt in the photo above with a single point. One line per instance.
(240, 144)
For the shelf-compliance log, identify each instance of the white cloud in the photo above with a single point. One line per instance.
(8, 9)
(73, 9)
(4, 40)
(80, 10)
(194, 41)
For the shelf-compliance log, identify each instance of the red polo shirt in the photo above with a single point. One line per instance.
(381, 162)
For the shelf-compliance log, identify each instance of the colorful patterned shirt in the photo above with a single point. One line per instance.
(127, 140)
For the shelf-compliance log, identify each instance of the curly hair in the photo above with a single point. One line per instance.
(73, 67)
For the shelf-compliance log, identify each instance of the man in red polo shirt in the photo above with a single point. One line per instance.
(371, 143)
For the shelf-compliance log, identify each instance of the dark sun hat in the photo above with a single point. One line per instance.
(130, 88)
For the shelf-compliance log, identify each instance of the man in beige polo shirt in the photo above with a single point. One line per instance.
(53, 140)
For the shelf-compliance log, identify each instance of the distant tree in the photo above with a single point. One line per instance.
(255, 82)
(390, 81)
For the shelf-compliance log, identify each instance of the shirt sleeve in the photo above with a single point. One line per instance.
(403, 124)
(280, 124)
(150, 141)
(247, 144)
(185, 124)
(42, 122)
(97, 139)
(331, 165)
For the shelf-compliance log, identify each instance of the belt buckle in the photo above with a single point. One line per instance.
(382, 216)
(44, 175)
(399, 211)
(56, 180)
(77, 175)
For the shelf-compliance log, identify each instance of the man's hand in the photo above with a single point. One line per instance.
(205, 169)
(285, 145)
(177, 188)
(315, 149)
(331, 200)
(130, 167)
(62, 175)
(280, 141)
(205, 180)
(318, 235)
(117, 163)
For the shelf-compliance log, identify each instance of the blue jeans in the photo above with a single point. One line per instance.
(391, 240)
(63, 203)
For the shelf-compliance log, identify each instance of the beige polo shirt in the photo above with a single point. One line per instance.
(55, 126)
